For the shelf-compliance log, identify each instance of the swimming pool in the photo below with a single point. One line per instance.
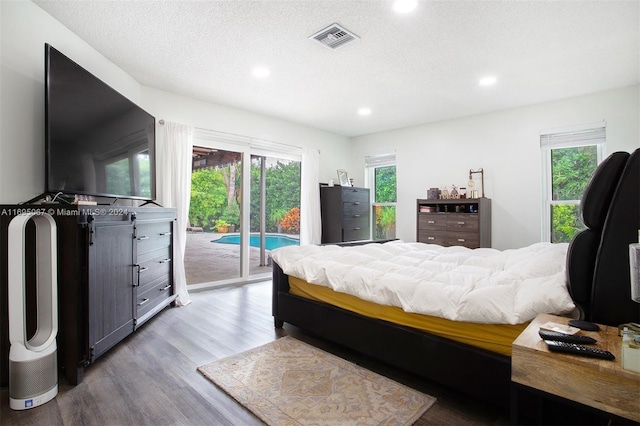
(272, 242)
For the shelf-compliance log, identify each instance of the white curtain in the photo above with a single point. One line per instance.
(310, 222)
(174, 154)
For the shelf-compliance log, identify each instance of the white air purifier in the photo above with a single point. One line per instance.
(33, 364)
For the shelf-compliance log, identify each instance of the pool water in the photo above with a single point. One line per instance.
(272, 242)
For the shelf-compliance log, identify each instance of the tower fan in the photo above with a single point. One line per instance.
(33, 364)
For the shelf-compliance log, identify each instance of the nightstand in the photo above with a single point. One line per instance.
(562, 388)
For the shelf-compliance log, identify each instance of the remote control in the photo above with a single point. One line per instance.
(572, 348)
(569, 338)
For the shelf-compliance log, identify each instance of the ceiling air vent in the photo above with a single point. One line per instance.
(334, 36)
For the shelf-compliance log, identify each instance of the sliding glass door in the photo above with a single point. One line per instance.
(235, 222)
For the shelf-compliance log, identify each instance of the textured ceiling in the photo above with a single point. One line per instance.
(409, 69)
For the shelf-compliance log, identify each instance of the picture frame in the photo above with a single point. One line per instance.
(343, 178)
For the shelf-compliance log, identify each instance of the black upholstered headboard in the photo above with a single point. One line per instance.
(611, 295)
(597, 259)
(583, 249)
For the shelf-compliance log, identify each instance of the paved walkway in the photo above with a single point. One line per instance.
(206, 261)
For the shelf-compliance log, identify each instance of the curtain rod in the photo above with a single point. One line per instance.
(161, 122)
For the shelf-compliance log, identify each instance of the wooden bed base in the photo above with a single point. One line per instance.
(483, 375)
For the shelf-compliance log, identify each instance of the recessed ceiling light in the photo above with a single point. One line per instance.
(488, 81)
(261, 72)
(364, 111)
(405, 6)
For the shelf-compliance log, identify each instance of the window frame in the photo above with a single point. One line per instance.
(373, 162)
(547, 178)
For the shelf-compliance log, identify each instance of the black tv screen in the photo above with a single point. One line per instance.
(98, 142)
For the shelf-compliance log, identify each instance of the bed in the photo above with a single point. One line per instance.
(335, 292)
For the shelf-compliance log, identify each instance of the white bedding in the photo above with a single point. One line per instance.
(457, 283)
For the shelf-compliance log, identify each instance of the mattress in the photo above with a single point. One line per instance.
(492, 337)
(483, 285)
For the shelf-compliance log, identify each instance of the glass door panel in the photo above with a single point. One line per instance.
(275, 208)
(213, 250)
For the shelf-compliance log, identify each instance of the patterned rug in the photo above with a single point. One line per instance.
(288, 382)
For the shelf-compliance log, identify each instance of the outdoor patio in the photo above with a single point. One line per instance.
(206, 261)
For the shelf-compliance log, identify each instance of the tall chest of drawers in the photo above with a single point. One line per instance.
(345, 214)
(456, 222)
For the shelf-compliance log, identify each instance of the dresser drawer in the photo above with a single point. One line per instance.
(355, 222)
(462, 222)
(151, 271)
(355, 209)
(151, 236)
(433, 222)
(152, 297)
(355, 234)
(466, 239)
(355, 195)
(433, 237)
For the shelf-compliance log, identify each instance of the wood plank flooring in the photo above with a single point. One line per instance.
(151, 378)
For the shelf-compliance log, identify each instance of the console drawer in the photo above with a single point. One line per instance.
(152, 297)
(150, 236)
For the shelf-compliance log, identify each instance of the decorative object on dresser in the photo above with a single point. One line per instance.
(472, 183)
(454, 222)
(345, 214)
(433, 193)
(343, 178)
(114, 273)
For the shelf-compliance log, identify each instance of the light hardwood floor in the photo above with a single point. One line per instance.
(151, 378)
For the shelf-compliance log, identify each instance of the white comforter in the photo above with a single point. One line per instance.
(481, 285)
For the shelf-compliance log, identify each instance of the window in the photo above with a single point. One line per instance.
(570, 157)
(381, 179)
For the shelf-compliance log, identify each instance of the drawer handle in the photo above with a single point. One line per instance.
(144, 237)
(142, 269)
(166, 288)
(431, 238)
(143, 302)
(164, 261)
(162, 234)
(356, 229)
(462, 240)
(356, 203)
(356, 215)
(460, 223)
(431, 221)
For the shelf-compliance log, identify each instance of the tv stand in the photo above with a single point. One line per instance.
(115, 272)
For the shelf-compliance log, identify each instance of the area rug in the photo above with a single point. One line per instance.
(288, 382)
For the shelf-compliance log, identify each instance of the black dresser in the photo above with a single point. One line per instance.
(115, 272)
(346, 214)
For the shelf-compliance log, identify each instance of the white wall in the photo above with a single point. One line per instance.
(506, 144)
(24, 31)
(170, 107)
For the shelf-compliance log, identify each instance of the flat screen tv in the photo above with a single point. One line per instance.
(98, 142)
